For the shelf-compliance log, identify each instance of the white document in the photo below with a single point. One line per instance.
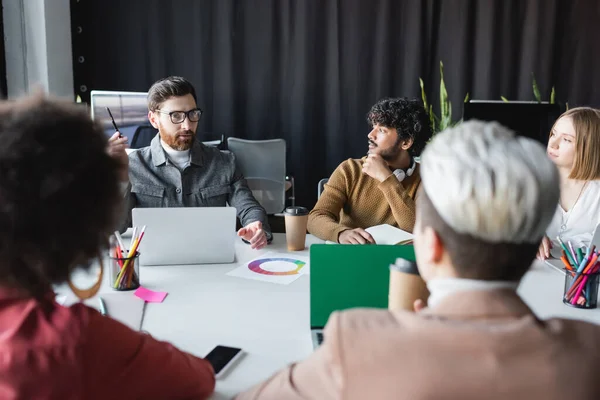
(273, 267)
(387, 234)
(122, 306)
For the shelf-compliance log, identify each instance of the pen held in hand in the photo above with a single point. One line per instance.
(114, 123)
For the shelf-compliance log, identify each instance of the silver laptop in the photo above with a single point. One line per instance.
(186, 235)
(555, 252)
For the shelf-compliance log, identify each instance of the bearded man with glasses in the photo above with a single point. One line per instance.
(177, 170)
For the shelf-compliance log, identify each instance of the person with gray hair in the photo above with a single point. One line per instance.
(486, 200)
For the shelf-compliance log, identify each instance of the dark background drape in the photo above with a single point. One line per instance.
(309, 70)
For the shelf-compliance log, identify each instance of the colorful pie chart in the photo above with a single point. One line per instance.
(255, 266)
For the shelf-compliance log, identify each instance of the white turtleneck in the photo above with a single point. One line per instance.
(181, 158)
(439, 289)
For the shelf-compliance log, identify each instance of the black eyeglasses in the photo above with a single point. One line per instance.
(177, 117)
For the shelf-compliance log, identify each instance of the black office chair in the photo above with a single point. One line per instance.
(143, 136)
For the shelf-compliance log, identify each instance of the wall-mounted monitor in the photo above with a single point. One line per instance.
(530, 119)
(130, 110)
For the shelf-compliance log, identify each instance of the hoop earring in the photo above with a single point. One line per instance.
(84, 294)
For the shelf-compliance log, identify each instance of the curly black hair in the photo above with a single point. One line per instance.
(59, 192)
(408, 117)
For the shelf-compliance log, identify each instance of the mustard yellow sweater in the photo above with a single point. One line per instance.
(352, 199)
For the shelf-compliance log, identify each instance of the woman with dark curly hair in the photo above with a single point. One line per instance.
(56, 178)
(381, 187)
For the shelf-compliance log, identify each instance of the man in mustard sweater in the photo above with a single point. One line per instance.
(381, 187)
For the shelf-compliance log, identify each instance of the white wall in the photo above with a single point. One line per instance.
(37, 38)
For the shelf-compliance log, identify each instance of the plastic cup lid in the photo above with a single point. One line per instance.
(402, 265)
(296, 211)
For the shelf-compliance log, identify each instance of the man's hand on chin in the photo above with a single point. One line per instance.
(376, 167)
(254, 234)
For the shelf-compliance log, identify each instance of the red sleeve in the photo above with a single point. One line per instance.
(135, 365)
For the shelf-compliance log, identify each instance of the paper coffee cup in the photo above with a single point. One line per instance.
(406, 286)
(296, 220)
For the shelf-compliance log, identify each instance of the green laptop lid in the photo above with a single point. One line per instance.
(347, 276)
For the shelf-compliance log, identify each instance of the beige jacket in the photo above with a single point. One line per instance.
(475, 345)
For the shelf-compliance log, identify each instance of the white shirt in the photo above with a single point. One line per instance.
(577, 224)
(181, 159)
(442, 288)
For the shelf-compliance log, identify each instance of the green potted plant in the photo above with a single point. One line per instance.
(537, 95)
(444, 120)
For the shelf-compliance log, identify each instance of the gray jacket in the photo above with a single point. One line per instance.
(210, 180)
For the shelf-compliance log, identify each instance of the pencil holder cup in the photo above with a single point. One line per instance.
(581, 290)
(124, 272)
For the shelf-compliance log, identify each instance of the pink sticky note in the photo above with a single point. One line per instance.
(149, 295)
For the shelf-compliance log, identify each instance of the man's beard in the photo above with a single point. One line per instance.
(390, 154)
(178, 144)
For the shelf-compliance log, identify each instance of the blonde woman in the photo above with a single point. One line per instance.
(574, 147)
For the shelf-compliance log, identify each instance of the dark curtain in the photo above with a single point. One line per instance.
(309, 70)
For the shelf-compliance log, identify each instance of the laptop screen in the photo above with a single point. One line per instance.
(347, 276)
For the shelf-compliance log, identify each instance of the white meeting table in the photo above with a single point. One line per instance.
(270, 322)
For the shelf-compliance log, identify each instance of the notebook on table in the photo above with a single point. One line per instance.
(122, 306)
(348, 276)
(186, 235)
(387, 234)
